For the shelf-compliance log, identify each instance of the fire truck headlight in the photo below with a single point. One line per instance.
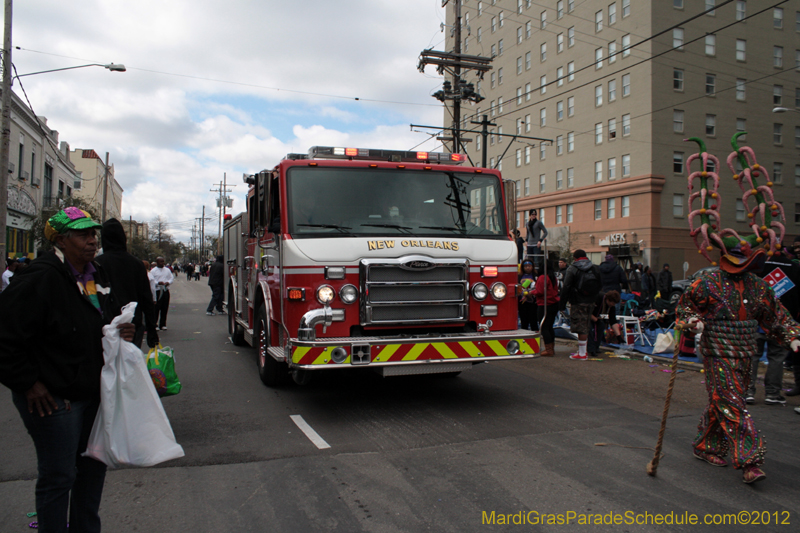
(480, 291)
(325, 294)
(348, 294)
(499, 291)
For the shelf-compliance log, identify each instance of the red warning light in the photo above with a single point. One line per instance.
(352, 152)
(422, 155)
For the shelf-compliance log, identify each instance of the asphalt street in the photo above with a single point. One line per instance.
(420, 453)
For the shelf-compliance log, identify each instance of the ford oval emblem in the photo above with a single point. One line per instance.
(418, 265)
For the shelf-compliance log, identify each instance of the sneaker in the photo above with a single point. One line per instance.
(713, 460)
(775, 399)
(163, 328)
(797, 410)
(750, 398)
(579, 357)
(210, 313)
(753, 474)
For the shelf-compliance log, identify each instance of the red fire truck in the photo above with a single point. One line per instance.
(391, 260)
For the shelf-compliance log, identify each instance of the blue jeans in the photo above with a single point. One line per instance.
(66, 480)
(773, 378)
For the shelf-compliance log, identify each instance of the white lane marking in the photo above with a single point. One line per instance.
(312, 435)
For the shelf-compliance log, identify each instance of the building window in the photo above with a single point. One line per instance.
(777, 95)
(570, 141)
(519, 102)
(626, 85)
(626, 125)
(797, 175)
(571, 37)
(677, 205)
(626, 8)
(677, 162)
(559, 216)
(543, 117)
(797, 213)
(598, 21)
(570, 106)
(741, 9)
(626, 165)
(527, 186)
(527, 155)
(559, 179)
(500, 76)
(542, 151)
(711, 125)
(543, 52)
(559, 145)
(571, 177)
(612, 52)
(528, 29)
(797, 136)
(612, 208)
(777, 133)
(527, 60)
(677, 121)
(543, 84)
(559, 9)
(598, 133)
(598, 171)
(677, 4)
(527, 92)
(626, 45)
(740, 214)
(711, 84)
(741, 94)
(741, 50)
(543, 20)
(569, 213)
(571, 71)
(777, 172)
(598, 96)
(612, 168)
(777, 18)
(527, 123)
(500, 105)
(626, 206)
(519, 65)
(711, 45)
(677, 38)
(519, 157)
(677, 79)
(598, 58)
(559, 43)
(542, 183)
(598, 209)
(710, 7)
(612, 129)
(560, 76)
(500, 19)
(612, 90)
(612, 14)
(741, 125)
(777, 56)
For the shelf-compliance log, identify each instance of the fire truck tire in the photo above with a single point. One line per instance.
(272, 373)
(235, 331)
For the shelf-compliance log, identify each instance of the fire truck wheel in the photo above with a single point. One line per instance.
(235, 331)
(271, 372)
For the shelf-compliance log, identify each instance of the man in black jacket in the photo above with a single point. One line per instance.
(129, 279)
(51, 356)
(216, 280)
(664, 282)
(612, 275)
(581, 302)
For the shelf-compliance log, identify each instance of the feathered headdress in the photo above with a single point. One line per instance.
(766, 216)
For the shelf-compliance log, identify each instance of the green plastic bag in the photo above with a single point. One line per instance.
(161, 365)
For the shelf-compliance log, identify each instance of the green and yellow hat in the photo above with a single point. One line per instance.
(67, 219)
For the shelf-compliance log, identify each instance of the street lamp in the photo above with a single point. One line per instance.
(113, 67)
(782, 110)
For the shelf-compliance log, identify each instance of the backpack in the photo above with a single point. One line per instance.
(589, 283)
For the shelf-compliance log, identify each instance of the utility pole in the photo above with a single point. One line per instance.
(484, 136)
(203, 236)
(105, 197)
(453, 62)
(5, 130)
(222, 203)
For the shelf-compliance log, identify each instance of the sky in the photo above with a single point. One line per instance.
(217, 87)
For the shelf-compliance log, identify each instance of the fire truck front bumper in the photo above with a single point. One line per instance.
(468, 348)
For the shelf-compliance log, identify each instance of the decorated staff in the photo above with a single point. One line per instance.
(728, 305)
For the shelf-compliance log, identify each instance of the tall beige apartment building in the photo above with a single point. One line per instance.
(617, 86)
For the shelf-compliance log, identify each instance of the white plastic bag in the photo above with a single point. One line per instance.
(665, 342)
(131, 427)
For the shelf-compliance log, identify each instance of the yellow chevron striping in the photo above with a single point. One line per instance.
(498, 348)
(445, 350)
(321, 359)
(471, 349)
(416, 351)
(387, 352)
(299, 352)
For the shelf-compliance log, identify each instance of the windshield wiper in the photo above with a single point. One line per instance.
(343, 229)
(393, 226)
(448, 228)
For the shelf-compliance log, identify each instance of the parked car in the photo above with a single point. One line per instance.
(678, 286)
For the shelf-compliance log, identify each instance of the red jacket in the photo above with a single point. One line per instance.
(552, 290)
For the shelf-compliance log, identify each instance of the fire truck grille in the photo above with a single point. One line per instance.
(397, 295)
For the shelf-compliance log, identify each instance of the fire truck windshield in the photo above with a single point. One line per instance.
(347, 202)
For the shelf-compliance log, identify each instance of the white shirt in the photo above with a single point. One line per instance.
(6, 279)
(162, 274)
(152, 284)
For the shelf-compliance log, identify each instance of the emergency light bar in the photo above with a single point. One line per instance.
(330, 152)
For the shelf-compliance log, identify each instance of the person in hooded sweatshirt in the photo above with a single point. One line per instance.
(581, 302)
(129, 279)
(612, 275)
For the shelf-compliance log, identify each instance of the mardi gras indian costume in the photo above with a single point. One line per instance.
(728, 306)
